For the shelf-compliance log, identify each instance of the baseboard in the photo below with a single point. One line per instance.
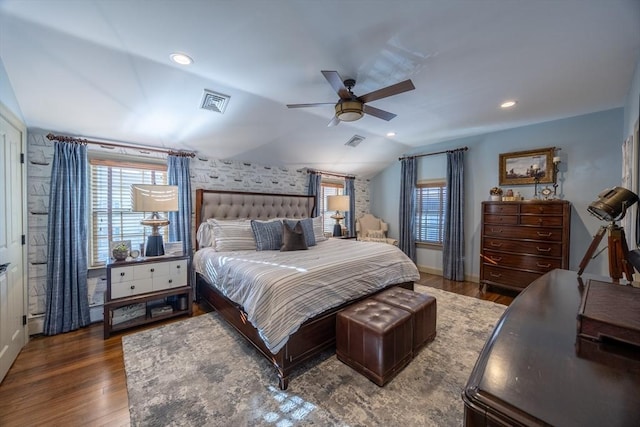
(36, 321)
(438, 272)
(36, 324)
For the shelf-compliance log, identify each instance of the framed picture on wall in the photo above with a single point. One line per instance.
(520, 167)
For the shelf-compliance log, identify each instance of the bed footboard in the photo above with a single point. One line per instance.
(314, 336)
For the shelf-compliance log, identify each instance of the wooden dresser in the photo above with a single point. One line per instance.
(523, 240)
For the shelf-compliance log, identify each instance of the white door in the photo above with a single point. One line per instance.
(13, 333)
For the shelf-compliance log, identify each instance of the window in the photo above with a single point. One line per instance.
(430, 206)
(111, 217)
(329, 189)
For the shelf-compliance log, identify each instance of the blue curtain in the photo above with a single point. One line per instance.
(67, 302)
(350, 217)
(453, 244)
(180, 222)
(408, 178)
(315, 189)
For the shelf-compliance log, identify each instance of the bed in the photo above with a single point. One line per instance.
(326, 271)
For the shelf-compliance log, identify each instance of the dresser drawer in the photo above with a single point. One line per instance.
(505, 276)
(542, 208)
(500, 208)
(552, 249)
(541, 221)
(501, 219)
(127, 289)
(525, 262)
(516, 232)
(167, 282)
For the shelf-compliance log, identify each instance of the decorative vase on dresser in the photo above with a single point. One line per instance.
(522, 240)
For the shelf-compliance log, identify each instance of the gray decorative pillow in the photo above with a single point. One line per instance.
(268, 234)
(293, 237)
(307, 229)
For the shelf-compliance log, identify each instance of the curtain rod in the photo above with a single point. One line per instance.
(433, 154)
(340, 175)
(72, 140)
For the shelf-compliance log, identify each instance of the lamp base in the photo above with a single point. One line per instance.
(337, 230)
(154, 246)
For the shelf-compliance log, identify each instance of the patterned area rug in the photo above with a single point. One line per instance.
(201, 372)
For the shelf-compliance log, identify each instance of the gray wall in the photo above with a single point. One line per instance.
(591, 161)
(7, 96)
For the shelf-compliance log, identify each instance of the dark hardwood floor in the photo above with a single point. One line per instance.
(78, 379)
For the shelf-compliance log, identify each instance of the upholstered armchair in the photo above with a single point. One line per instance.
(372, 229)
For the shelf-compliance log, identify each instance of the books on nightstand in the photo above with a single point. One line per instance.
(161, 310)
(128, 312)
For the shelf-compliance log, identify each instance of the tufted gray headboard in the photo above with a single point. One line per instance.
(263, 206)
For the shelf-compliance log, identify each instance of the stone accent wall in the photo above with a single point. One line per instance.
(211, 174)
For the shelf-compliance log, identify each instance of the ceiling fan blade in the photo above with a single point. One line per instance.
(334, 122)
(336, 83)
(317, 104)
(395, 89)
(376, 112)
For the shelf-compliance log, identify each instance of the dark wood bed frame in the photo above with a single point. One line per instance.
(315, 335)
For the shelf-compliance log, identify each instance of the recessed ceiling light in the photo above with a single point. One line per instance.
(508, 104)
(391, 134)
(181, 58)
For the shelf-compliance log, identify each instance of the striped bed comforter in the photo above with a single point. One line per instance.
(281, 290)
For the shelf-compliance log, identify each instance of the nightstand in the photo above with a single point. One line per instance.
(146, 290)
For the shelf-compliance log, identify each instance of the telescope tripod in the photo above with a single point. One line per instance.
(618, 252)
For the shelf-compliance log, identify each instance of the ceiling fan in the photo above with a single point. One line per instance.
(350, 107)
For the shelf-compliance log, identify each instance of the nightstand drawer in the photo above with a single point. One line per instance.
(122, 274)
(127, 289)
(179, 270)
(167, 282)
(149, 271)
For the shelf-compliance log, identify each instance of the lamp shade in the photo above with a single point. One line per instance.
(154, 198)
(349, 110)
(612, 203)
(338, 203)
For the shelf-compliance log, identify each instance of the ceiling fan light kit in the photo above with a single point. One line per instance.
(349, 111)
(350, 107)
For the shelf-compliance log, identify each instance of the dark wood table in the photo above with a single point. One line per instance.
(534, 370)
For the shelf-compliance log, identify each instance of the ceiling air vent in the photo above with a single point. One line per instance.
(214, 101)
(354, 141)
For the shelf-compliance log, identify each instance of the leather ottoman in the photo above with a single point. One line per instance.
(375, 339)
(423, 312)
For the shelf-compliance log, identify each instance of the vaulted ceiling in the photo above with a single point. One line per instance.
(101, 69)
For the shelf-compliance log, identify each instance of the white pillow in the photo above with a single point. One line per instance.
(376, 234)
(205, 236)
(318, 232)
(232, 235)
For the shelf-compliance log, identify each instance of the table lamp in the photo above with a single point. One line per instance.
(154, 199)
(337, 203)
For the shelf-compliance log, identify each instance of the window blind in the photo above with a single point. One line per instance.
(110, 204)
(430, 207)
(329, 189)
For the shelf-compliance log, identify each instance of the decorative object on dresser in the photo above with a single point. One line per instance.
(522, 240)
(496, 194)
(337, 203)
(154, 199)
(611, 206)
(140, 291)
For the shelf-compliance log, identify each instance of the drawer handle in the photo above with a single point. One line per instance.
(496, 245)
(495, 274)
(152, 270)
(177, 266)
(493, 230)
(543, 265)
(544, 234)
(122, 274)
(133, 286)
(170, 281)
(543, 249)
(496, 258)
